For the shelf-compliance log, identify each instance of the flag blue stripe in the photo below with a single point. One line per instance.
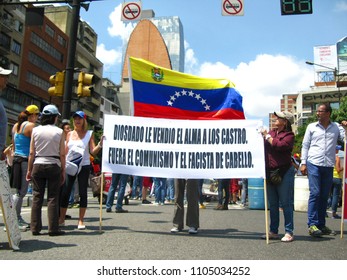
(187, 99)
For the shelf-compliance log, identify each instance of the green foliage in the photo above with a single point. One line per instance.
(341, 114)
(301, 133)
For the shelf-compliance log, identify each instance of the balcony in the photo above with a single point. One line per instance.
(6, 24)
(93, 100)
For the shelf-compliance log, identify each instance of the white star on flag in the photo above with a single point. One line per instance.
(191, 94)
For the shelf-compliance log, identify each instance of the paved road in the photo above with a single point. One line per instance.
(144, 233)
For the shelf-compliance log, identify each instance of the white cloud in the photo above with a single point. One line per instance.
(341, 6)
(263, 81)
(191, 62)
(108, 57)
(118, 28)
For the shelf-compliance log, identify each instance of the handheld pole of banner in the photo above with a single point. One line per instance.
(266, 214)
(101, 199)
(343, 190)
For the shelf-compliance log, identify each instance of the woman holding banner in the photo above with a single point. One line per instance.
(280, 174)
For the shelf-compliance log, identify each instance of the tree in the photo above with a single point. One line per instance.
(300, 135)
(341, 114)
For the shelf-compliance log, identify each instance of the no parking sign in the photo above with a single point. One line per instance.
(232, 8)
(131, 11)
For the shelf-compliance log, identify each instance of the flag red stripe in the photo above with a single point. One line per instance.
(155, 111)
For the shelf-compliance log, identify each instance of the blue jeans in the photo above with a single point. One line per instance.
(159, 189)
(335, 196)
(122, 179)
(320, 180)
(138, 182)
(170, 191)
(282, 193)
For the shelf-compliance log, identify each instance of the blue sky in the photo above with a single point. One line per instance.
(262, 52)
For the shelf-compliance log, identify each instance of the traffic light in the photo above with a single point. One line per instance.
(296, 7)
(85, 82)
(57, 82)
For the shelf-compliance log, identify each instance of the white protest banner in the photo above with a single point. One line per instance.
(195, 149)
(8, 209)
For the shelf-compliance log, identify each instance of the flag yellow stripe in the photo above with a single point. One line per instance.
(141, 70)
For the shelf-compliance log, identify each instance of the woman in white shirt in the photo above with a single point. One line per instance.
(79, 139)
(46, 163)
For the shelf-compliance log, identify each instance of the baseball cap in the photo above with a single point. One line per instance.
(338, 147)
(49, 110)
(285, 115)
(4, 71)
(32, 109)
(80, 114)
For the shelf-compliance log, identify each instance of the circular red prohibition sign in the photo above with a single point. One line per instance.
(235, 10)
(129, 13)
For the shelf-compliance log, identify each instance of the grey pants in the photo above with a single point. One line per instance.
(22, 189)
(192, 193)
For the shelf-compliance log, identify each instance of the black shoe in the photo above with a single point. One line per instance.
(327, 231)
(67, 217)
(35, 233)
(108, 210)
(146, 202)
(56, 233)
(121, 210)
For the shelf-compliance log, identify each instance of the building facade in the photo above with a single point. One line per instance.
(85, 60)
(158, 40)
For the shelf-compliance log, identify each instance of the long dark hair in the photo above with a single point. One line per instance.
(22, 117)
(288, 126)
(48, 119)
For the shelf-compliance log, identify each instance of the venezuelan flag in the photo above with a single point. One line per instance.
(163, 93)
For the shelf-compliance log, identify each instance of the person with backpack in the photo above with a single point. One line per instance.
(79, 145)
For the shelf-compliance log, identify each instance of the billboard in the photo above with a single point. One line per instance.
(342, 55)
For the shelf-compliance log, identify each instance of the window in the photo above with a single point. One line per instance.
(61, 41)
(43, 45)
(37, 81)
(15, 68)
(49, 31)
(42, 63)
(18, 26)
(16, 47)
(5, 41)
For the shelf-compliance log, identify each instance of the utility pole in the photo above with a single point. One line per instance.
(76, 6)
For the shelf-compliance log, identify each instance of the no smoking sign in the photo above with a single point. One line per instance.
(232, 8)
(131, 11)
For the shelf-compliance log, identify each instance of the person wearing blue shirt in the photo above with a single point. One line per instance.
(21, 135)
(317, 162)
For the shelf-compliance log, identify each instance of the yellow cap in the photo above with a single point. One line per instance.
(32, 109)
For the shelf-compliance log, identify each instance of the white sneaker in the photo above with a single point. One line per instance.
(175, 230)
(193, 230)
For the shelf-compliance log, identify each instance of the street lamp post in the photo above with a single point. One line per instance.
(336, 75)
